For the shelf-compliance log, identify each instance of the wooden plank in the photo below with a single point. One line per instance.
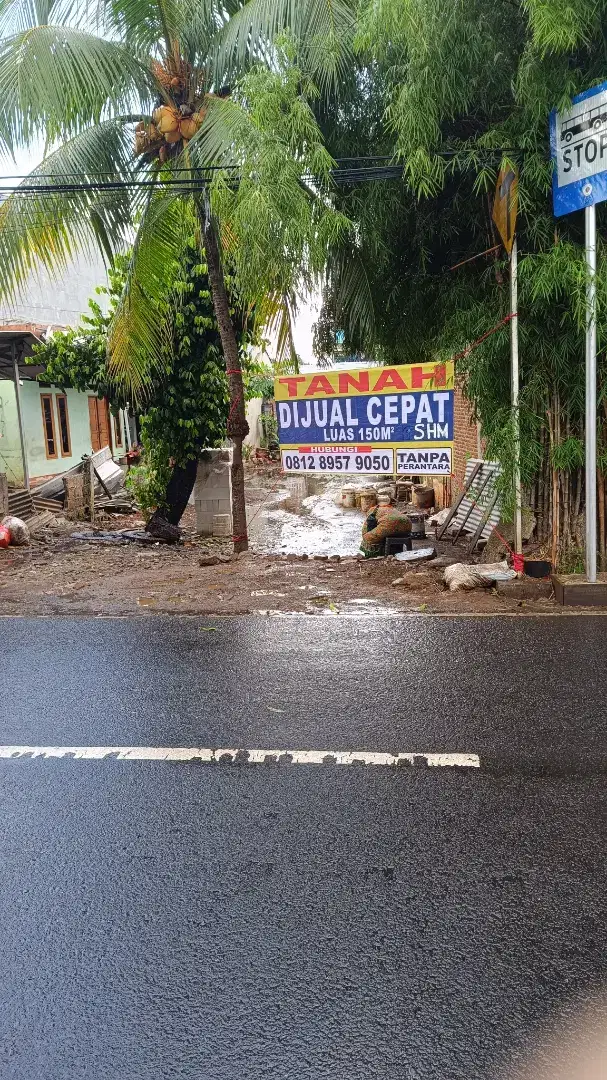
(481, 525)
(572, 591)
(484, 482)
(101, 481)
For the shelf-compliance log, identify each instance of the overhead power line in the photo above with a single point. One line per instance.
(350, 170)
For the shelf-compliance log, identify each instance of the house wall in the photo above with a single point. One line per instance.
(253, 413)
(38, 463)
(11, 461)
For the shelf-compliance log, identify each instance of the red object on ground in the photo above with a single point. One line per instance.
(5, 537)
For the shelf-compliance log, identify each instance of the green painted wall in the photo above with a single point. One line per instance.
(39, 464)
(11, 461)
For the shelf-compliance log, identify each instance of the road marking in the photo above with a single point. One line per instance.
(225, 755)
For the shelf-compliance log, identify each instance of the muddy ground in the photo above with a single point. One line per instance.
(303, 560)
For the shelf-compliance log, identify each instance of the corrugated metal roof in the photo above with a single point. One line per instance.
(475, 505)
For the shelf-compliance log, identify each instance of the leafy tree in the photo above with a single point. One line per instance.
(186, 404)
(130, 94)
(451, 92)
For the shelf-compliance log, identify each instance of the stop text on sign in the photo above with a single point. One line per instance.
(578, 147)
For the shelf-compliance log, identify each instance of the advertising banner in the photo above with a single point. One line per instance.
(367, 420)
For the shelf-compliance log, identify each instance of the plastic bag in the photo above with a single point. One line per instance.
(439, 518)
(481, 576)
(5, 537)
(18, 530)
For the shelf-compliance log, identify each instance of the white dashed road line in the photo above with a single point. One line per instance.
(244, 757)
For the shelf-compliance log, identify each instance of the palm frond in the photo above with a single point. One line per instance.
(55, 80)
(144, 24)
(275, 314)
(224, 129)
(351, 288)
(322, 29)
(199, 23)
(140, 335)
(19, 15)
(43, 227)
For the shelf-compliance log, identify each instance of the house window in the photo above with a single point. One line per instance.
(117, 431)
(48, 425)
(64, 426)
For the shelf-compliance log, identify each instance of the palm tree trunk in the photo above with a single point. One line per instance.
(237, 426)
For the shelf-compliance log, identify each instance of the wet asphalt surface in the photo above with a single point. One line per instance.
(219, 922)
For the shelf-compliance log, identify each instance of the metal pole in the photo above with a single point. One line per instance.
(26, 472)
(590, 222)
(518, 523)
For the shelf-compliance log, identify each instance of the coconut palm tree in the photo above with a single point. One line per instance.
(121, 91)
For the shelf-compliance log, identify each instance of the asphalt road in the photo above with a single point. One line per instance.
(217, 922)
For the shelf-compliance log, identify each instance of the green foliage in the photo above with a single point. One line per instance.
(258, 379)
(455, 91)
(80, 77)
(147, 482)
(269, 426)
(268, 128)
(186, 405)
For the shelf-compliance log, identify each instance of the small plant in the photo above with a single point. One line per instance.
(269, 427)
(147, 484)
(571, 561)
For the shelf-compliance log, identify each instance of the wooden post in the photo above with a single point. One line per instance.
(88, 485)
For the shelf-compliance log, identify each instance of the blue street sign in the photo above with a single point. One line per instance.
(578, 147)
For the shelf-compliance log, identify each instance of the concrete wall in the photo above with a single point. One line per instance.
(213, 493)
(59, 300)
(39, 465)
(253, 413)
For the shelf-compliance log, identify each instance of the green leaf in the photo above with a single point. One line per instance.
(56, 80)
(40, 225)
(141, 328)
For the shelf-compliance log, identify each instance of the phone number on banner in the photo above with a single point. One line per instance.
(359, 460)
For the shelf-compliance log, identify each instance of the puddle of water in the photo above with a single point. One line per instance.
(307, 524)
(366, 607)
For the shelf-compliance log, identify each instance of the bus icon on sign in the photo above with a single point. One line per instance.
(590, 120)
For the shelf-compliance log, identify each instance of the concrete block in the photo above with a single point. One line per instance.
(204, 524)
(222, 525)
(213, 488)
(572, 590)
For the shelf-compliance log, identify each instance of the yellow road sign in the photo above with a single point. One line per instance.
(505, 206)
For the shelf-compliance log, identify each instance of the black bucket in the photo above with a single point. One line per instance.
(537, 568)
(418, 526)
